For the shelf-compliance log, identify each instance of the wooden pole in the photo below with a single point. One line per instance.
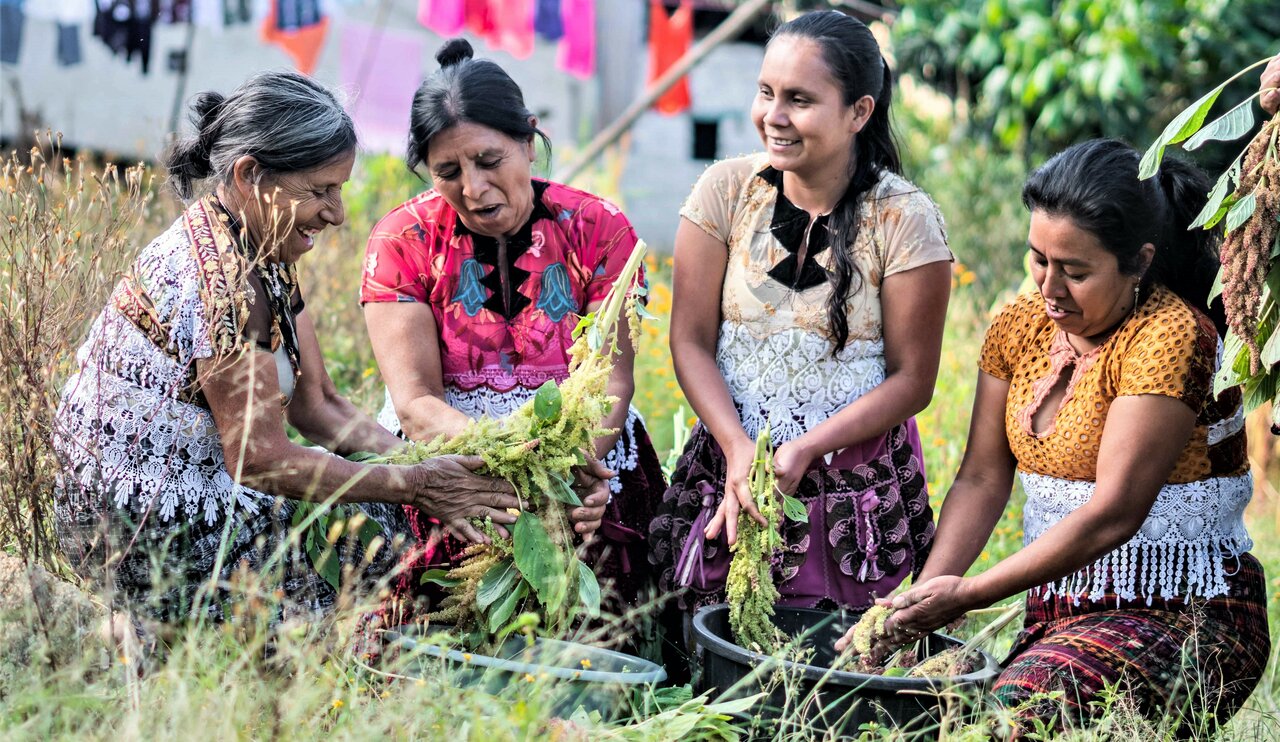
(732, 26)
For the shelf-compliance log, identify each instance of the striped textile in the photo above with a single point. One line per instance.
(1193, 663)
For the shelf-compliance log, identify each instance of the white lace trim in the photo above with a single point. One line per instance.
(1178, 552)
(486, 402)
(789, 380)
(1224, 429)
(121, 431)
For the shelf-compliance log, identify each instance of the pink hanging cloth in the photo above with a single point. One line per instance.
(479, 17)
(577, 53)
(444, 17)
(383, 67)
(512, 27)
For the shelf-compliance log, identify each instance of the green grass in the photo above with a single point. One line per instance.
(58, 681)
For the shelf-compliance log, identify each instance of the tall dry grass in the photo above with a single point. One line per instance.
(67, 229)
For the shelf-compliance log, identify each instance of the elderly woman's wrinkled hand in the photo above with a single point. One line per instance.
(448, 489)
(591, 482)
(1270, 81)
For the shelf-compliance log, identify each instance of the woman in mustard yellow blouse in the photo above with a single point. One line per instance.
(1097, 390)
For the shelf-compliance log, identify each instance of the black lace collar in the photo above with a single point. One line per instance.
(485, 250)
(788, 226)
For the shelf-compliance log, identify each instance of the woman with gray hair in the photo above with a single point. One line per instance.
(178, 473)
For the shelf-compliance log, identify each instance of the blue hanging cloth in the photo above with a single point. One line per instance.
(547, 21)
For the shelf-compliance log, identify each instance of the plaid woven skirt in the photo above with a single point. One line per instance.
(1192, 663)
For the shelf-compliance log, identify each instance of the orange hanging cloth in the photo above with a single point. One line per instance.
(669, 39)
(299, 27)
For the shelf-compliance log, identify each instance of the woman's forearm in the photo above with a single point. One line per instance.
(1072, 544)
(300, 473)
(879, 410)
(969, 514)
(343, 428)
(428, 416)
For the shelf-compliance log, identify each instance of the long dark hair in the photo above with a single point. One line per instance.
(467, 90)
(854, 59)
(1095, 184)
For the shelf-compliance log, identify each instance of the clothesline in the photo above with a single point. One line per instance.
(300, 27)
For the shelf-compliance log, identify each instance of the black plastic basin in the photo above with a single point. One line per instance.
(815, 699)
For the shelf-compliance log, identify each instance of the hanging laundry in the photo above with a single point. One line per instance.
(11, 22)
(383, 68)
(68, 45)
(175, 11)
(61, 11)
(444, 17)
(236, 12)
(669, 39)
(125, 27)
(299, 27)
(546, 20)
(68, 15)
(577, 53)
(512, 27)
(208, 14)
(479, 17)
(295, 15)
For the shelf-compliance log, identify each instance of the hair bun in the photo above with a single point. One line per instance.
(453, 52)
(205, 107)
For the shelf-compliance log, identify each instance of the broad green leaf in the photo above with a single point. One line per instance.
(895, 672)
(438, 577)
(1223, 210)
(1241, 212)
(1216, 196)
(1183, 125)
(368, 529)
(362, 456)
(538, 559)
(547, 401)
(1233, 354)
(501, 612)
(794, 509)
(588, 589)
(1271, 351)
(1260, 390)
(330, 568)
(587, 321)
(1216, 289)
(562, 490)
(496, 583)
(1231, 125)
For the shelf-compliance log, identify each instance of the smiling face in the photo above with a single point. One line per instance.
(484, 175)
(1084, 291)
(800, 113)
(299, 204)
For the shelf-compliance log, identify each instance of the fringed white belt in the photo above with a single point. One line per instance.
(1178, 552)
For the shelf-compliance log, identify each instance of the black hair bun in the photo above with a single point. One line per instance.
(205, 107)
(453, 52)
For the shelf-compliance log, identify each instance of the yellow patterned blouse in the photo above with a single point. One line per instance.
(1166, 347)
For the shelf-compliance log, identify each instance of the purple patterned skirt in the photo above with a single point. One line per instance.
(869, 526)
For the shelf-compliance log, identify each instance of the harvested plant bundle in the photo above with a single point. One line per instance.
(536, 448)
(1245, 201)
(749, 587)
(872, 627)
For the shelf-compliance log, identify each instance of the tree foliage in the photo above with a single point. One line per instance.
(1041, 74)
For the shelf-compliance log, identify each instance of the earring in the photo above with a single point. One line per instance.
(1137, 287)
